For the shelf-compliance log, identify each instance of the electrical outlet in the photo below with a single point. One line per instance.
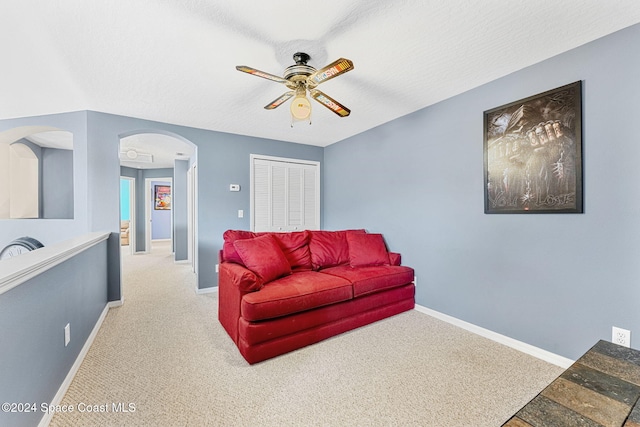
(67, 334)
(621, 336)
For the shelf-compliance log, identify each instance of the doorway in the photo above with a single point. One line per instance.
(164, 159)
(127, 213)
(158, 211)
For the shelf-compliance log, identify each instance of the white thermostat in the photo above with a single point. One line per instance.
(234, 187)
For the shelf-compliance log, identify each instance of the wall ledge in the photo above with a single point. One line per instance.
(15, 271)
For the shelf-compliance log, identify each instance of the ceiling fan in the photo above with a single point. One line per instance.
(301, 78)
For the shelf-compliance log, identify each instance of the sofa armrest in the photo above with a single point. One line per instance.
(241, 277)
(395, 258)
(234, 281)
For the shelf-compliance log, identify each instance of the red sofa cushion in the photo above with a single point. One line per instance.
(263, 256)
(371, 279)
(295, 246)
(229, 252)
(300, 291)
(367, 249)
(256, 332)
(268, 349)
(329, 248)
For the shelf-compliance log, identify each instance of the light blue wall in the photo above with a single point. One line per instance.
(556, 281)
(33, 358)
(57, 183)
(180, 216)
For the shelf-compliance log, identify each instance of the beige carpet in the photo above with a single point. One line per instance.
(165, 353)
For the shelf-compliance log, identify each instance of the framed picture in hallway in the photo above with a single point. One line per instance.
(162, 197)
(533, 154)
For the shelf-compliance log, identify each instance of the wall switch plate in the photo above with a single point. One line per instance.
(67, 334)
(234, 187)
(240, 213)
(621, 336)
(217, 268)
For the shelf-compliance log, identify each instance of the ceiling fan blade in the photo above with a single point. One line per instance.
(332, 70)
(278, 102)
(330, 103)
(259, 73)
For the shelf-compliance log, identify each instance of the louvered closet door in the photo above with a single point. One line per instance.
(285, 195)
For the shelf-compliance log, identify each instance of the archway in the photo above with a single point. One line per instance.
(150, 154)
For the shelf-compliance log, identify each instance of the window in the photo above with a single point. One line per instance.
(285, 194)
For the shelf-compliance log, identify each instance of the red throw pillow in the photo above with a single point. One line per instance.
(329, 248)
(367, 249)
(263, 256)
(295, 247)
(229, 253)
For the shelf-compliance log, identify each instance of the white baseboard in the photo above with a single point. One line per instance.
(537, 352)
(209, 290)
(117, 303)
(44, 422)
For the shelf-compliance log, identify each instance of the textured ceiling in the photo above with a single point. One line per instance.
(174, 60)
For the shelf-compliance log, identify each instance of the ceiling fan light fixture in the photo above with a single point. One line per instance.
(299, 79)
(300, 107)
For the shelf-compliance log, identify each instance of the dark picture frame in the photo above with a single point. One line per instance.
(162, 197)
(533, 154)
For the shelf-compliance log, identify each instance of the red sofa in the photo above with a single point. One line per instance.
(282, 291)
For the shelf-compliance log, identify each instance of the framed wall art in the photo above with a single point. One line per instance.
(162, 197)
(533, 154)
